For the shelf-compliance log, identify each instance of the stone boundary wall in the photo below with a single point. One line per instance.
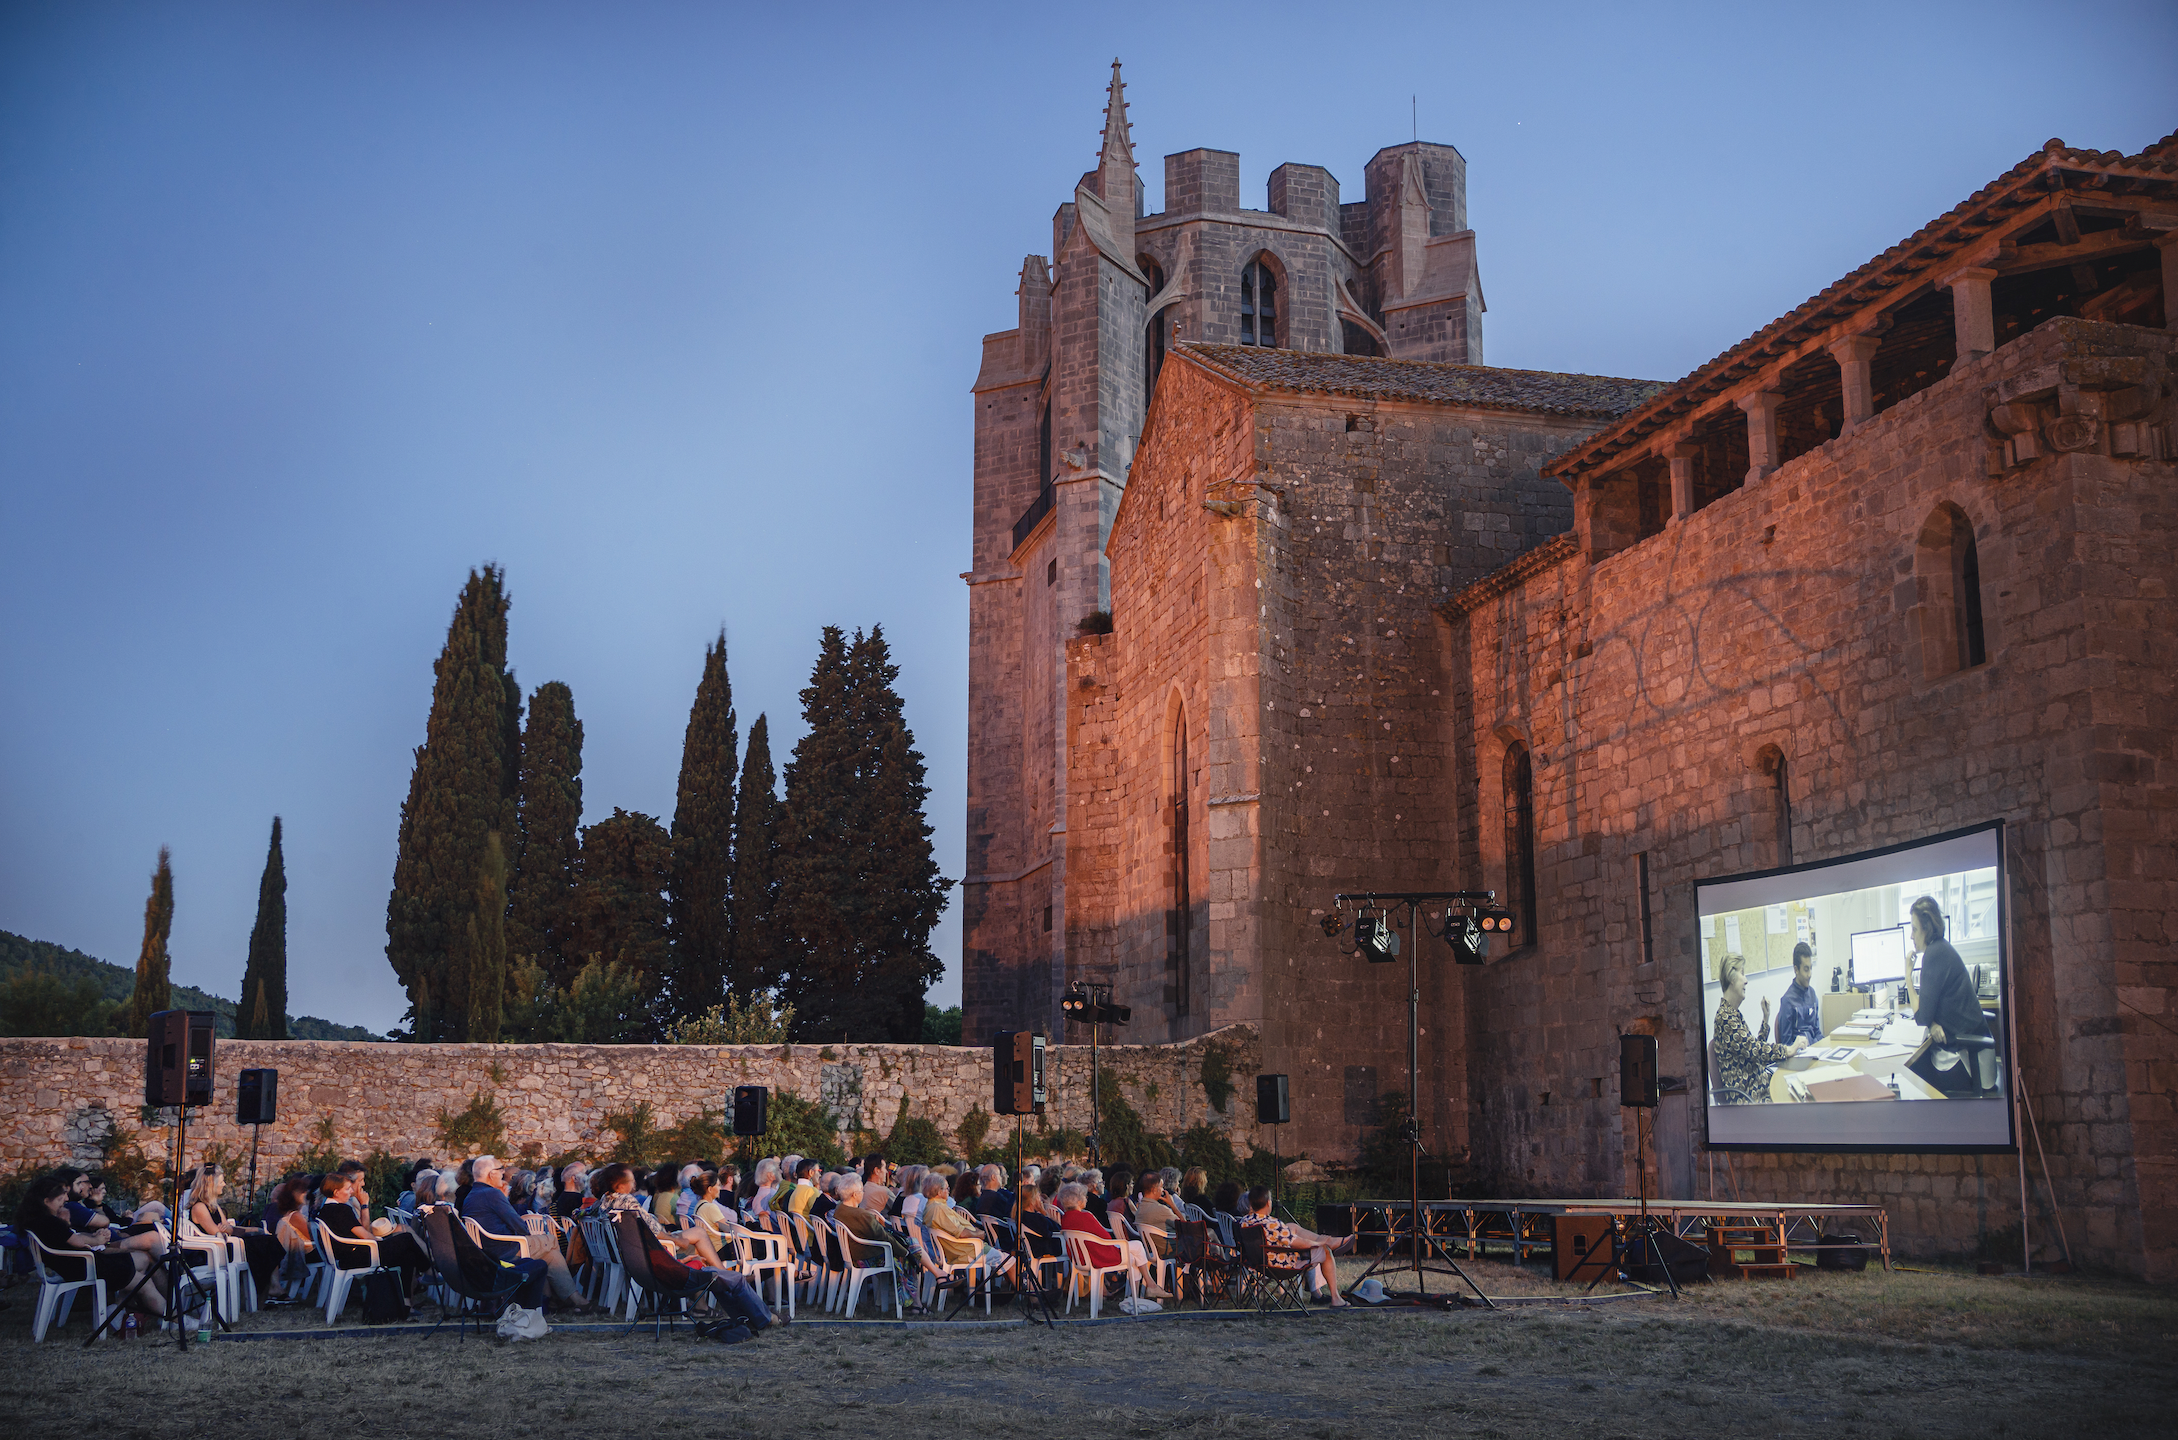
(63, 1096)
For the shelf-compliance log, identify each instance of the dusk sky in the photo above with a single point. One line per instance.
(307, 308)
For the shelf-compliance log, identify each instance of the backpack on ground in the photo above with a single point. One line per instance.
(382, 1300)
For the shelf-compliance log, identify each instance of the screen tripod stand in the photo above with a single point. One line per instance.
(1636, 1244)
(1028, 1280)
(174, 1263)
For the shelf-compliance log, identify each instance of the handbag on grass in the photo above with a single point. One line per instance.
(519, 1323)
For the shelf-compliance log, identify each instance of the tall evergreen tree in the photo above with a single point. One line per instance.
(261, 1014)
(480, 952)
(755, 965)
(540, 915)
(620, 908)
(700, 899)
(859, 888)
(154, 991)
(465, 786)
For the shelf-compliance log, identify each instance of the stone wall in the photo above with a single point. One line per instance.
(65, 1095)
(1648, 686)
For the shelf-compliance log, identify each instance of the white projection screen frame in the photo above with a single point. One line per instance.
(1724, 923)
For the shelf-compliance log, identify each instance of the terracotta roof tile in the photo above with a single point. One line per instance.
(1482, 387)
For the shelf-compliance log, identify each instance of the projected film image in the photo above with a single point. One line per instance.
(1859, 1003)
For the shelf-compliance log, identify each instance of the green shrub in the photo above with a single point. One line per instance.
(640, 1141)
(322, 1155)
(1217, 1077)
(1207, 1146)
(1122, 1138)
(701, 1136)
(915, 1139)
(480, 1128)
(972, 1130)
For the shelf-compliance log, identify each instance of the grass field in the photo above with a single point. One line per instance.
(1903, 1354)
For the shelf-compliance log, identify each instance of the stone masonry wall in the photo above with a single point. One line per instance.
(1781, 614)
(64, 1095)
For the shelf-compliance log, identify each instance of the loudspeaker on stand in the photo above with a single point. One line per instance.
(1273, 1104)
(256, 1097)
(751, 1104)
(1017, 1073)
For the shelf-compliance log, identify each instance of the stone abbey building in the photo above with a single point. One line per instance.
(1278, 592)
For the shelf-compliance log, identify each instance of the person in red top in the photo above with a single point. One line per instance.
(1072, 1197)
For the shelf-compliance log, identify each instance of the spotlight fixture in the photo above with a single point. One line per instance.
(1378, 942)
(1470, 946)
(1081, 1005)
(1333, 923)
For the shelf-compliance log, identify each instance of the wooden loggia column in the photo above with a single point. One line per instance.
(1682, 456)
(1973, 317)
(1761, 408)
(1853, 355)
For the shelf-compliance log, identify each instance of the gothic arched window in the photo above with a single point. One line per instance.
(1258, 305)
(1519, 894)
(1179, 916)
(1947, 575)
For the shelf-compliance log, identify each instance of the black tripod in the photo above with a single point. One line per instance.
(1028, 1281)
(174, 1264)
(1636, 1244)
(1421, 1242)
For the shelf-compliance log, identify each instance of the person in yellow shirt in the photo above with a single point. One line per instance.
(804, 1193)
(960, 1239)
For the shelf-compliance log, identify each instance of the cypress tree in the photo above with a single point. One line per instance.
(620, 908)
(540, 914)
(755, 964)
(859, 888)
(262, 1013)
(700, 899)
(154, 991)
(465, 786)
(480, 957)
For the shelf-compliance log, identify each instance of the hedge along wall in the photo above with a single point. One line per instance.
(64, 1097)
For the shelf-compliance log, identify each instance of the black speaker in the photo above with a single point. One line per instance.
(751, 1104)
(1272, 1104)
(256, 1097)
(1017, 1073)
(178, 1058)
(1637, 1070)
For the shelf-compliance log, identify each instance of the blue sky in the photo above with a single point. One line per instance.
(672, 310)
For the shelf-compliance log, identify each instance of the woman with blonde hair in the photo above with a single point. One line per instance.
(1741, 1059)
(1073, 1200)
(263, 1251)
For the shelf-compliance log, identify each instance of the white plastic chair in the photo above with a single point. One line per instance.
(1082, 1269)
(56, 1296)
(230, 1257)
(969, 1270)
(608, 1276)
(207, 1279)
(764, 1254)
(1160, 1265)
(861, 1268)
(337, 1276)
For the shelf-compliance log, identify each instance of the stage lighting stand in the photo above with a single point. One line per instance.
(1420, 1241)
(1099, 1009)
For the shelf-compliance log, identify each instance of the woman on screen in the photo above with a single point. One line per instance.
(1741, 1060)
(1945, 1003)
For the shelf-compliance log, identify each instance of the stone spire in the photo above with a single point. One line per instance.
(1116, 162)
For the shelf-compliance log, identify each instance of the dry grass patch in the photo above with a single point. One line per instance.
(1848, 1355)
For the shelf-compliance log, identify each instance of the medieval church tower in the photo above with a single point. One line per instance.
(1060, 404)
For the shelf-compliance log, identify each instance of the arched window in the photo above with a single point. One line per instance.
(1180, 912)
(1947, 587)
(1773, 817)
(1258, 305)
(1519, 893)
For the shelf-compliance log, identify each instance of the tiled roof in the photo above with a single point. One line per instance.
(1482, 387)
(1502, 580)
(1895, 274)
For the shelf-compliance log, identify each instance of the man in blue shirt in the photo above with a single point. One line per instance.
(487, 1204)
(1799, 1013)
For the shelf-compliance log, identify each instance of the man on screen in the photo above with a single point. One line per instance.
(1799, 1013)
(1945, 1003)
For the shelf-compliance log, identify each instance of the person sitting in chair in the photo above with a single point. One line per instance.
(488, 1204)
(1799, 1013)
(1073, 1198)
(1945, 1002)
(615, 1186)
(79, 1255)
(1742, 1060)
(1292, 1248)
(342, 1220)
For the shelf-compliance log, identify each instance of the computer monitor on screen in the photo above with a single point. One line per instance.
(1879, 955)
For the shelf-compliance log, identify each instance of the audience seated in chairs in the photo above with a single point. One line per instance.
(1073, 1215)
(290, 1225)
(408, 1199)
(1292, 1248)
(960, 1239)
(1226, 1200)
(264, 1252)
(340, 1215)
(494, 1213)
(616, 1185)
(83, 1255)
(992, 1198)
(1153, 1215)
(572, 1194)
(1194, 1188)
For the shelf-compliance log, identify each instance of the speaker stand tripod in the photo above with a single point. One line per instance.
(1626, 1249)
(174, 1263)
(1028, 1281)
